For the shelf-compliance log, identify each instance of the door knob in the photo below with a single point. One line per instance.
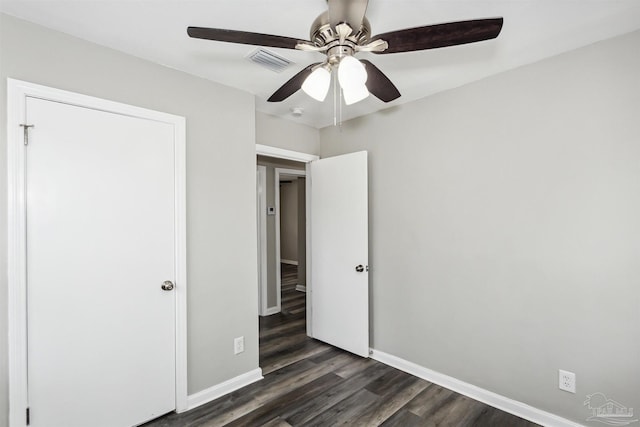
(360, 268)
(167, 285)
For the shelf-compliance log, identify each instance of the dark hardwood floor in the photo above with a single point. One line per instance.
(309, 383)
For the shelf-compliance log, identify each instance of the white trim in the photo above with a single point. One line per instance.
(219, 390)
(503, 403)
(17, 93)
(16, 258)
(289, 261)
(301, 288)
(280, 153)
(180, 135)
(308, 285)
(271, 310)
(278, 172)
(262, 239)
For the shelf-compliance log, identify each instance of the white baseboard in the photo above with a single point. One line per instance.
(301, 288)
(219, 390)
(272, 310)
(503, 403)
(288, 261)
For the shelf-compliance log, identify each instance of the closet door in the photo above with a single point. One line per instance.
(100, 195)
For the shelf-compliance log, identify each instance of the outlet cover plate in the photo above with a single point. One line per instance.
(566, 381)
(238, 345)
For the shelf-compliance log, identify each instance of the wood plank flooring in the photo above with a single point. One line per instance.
(309, 383)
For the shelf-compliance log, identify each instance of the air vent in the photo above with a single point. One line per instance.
(269, 60)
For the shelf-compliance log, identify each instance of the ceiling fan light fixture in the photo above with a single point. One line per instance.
(352, 76)
(354, 94)
(351, 73)
(317, 84)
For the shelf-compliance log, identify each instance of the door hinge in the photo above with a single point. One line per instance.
(25, 129)
(28, 416)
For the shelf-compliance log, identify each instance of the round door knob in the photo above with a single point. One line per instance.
(360, 268)
(167, 285)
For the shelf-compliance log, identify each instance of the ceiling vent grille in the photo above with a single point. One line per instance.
(269, 60)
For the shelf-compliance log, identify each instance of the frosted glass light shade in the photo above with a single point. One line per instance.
(355, 94)
(317, 84)
(352, 77)
(351, 73)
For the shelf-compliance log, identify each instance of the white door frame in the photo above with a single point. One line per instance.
(18, 92)
(261, 204)
(278, 172)
(279, 153)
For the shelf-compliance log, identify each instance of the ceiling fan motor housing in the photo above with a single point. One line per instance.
(323, 35)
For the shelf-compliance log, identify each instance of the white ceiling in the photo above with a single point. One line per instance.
(156, 30)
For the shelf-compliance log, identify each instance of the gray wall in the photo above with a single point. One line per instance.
(289, 219)
(504, 228)
(272, 291)
(286, 134)
(220, 173)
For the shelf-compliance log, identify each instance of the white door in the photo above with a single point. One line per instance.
(339, 247)
(100, 243)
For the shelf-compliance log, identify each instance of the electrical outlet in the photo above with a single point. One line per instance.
(238, 345)
(567, 381)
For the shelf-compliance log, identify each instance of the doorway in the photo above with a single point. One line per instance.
(282, 255)
(337, 232)
(285, 159)
(290, 234)
(281, 218)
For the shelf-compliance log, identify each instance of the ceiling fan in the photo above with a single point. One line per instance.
(343, 31)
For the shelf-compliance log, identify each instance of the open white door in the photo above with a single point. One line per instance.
(339, 247)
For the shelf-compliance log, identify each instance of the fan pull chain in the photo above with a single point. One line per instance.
(335, 97)
(339, 107)
(337, 101)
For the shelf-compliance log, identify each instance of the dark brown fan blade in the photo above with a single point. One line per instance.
(349, 11)
(242, 37)
(378, 84)
(441, 35)
(293, 85)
